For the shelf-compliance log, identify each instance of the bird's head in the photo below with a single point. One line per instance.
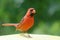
(31, 12)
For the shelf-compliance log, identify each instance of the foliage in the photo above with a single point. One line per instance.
(47, 18)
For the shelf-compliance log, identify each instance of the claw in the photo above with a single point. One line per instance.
(26, 35)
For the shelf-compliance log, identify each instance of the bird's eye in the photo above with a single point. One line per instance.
(31, 10)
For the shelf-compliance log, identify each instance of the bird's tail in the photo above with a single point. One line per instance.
(9, 24)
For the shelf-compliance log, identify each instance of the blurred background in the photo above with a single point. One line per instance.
(47, 18)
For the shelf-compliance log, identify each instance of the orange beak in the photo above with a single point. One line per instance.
(34, 11)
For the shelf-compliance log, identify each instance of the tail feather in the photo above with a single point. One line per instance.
(9, 24)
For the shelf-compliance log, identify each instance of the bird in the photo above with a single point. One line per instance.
(26, 23)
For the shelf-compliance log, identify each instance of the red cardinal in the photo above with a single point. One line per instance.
(27, 21)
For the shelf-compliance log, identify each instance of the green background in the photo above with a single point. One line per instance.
(47, 18)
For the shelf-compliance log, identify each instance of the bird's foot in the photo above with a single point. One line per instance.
(26, 35)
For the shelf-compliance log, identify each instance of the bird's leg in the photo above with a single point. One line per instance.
(25, 34)
(22, 33)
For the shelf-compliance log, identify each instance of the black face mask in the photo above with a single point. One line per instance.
(32, 14)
